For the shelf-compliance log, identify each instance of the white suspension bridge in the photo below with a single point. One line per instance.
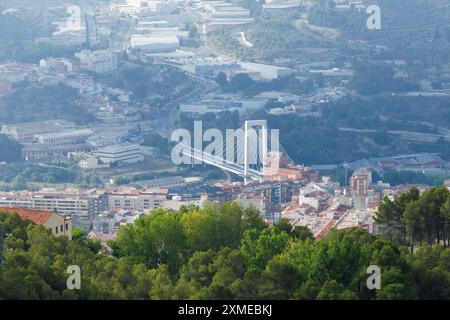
(248, 152)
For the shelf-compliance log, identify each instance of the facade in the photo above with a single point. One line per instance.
(276, 7)
(85, 205)
(69, 137)
(360, 181)
(57, 64)
(222, 13)
(59, 225)
(293, 174)
(359, 187)
(134, 199)
(315, 197)
(104, 223)
(267, 72)
(211, 69)
(257, 202)
(40, 151)
(98, 61)
(25, 132)
(82, 205)
(153, 43)
(120, 153)
(194, 108)
(90, 162)
(165, 183)
(427, 163)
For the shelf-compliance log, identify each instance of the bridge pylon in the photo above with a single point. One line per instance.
(249, 125)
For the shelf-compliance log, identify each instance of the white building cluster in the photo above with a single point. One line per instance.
(86, 205)
(98, 61)
(29, 131)
(322, 206)
(222, 13)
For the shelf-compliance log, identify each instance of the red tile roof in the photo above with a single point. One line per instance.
(37, 216)
(325, 230)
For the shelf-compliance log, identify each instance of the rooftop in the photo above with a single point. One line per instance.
(37, 216)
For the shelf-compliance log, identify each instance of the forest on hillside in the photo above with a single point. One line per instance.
(227, 252)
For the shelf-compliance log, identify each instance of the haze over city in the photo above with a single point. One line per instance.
(224, 150)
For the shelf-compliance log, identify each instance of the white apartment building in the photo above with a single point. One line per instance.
(99, 60)
(134, 199)
(83, 205)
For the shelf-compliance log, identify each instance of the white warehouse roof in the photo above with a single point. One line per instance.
(155, 42)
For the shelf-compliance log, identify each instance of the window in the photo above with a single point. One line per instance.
(61, 228)
(67, 226)
(56, 229)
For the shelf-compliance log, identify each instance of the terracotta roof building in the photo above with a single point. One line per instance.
(59, 225)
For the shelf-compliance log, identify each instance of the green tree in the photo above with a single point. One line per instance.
(154, 240)
(77, 233)
(332, 290)
(396, 285)
(200, 229)
(259, 247)
(280, 280)
(248, 287)
(389, 218)
(252, 219)
(302, 233)
(284, 225)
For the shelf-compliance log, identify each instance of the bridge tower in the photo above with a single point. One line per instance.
(250, 141)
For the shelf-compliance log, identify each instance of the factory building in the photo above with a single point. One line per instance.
(120, 153)
(155, 43)
(69, 137)
(25, 132)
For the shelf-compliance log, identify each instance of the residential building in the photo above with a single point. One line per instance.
(57, 64)
(82, 205)
(130, 198)
(59, 225)
(359, 187)
(99, 60)
(360, 182)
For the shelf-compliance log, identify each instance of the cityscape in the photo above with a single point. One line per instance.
(224, 150)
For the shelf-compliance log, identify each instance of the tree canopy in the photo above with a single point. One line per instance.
(220, 252)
